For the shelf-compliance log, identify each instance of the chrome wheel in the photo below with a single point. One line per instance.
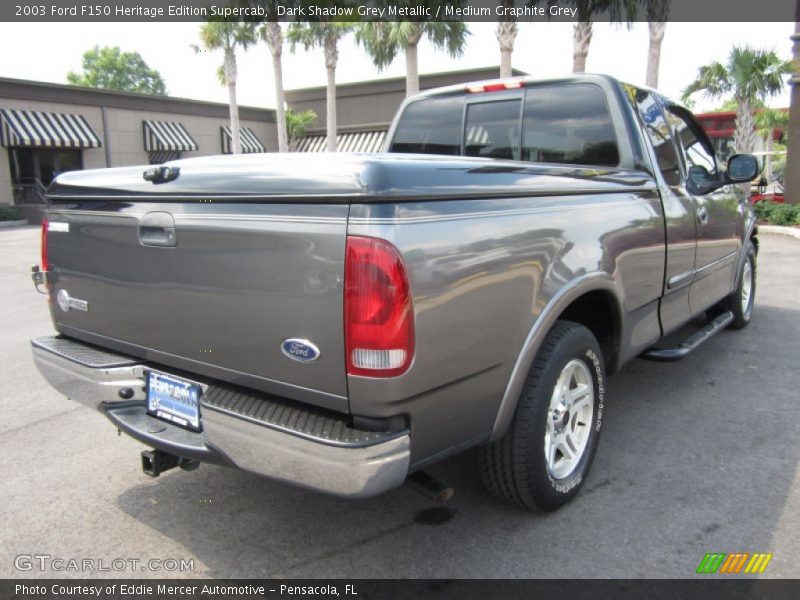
(747, 288)
(569, 419)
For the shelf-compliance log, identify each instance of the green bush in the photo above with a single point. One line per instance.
(778, 214)
(9, 213)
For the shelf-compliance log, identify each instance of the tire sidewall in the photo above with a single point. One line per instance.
(750, 257)
(742, 317)
(555, 492)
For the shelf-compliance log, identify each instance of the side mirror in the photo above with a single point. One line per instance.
(742, 168)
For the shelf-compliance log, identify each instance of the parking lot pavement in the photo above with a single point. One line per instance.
(697, 456)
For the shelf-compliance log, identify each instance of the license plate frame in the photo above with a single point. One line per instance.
(173, 399)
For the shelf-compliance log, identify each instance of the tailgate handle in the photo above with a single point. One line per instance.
(157, 229)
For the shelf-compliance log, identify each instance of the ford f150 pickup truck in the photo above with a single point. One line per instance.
(341, 321)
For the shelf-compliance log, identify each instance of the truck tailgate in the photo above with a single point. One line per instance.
(218, 295)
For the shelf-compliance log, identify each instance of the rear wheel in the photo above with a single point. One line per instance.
(545, 456)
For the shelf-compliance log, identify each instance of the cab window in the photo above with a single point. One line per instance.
(568, 124)
(431, 126)
(492, 130)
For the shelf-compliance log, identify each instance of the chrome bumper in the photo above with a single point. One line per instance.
(94, 378)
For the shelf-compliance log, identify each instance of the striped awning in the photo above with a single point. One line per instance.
(30, 128)
(159, 157)
(160, 136)
(361, 141)
(250, 143)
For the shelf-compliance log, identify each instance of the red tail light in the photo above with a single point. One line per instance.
(44, 246)
(378, 315)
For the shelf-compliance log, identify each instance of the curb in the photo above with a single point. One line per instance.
(10, 224)
(778, 229)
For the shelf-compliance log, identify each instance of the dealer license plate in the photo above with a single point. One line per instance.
(173, 400)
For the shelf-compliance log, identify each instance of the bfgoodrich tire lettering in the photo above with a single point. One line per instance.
(521, 468)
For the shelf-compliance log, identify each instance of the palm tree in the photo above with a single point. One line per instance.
(767, 120)
(382, 41)
(615, 10)
(228, 36)
(506, 34)
(325, 35)
(751, 76)
(296, 125)
(272, 33)
(657, 14)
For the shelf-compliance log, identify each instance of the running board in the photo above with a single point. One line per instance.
(692, 342)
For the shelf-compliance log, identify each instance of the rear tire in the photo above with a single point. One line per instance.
(741, 301)
(544, 457)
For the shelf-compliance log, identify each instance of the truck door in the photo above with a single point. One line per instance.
(718, 214)
(679, 211)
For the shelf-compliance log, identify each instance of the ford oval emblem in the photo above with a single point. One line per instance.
(300, 350)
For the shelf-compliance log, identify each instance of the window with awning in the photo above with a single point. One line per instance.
(361, 141)
(166, 140)
(250, 143)
(36, 129)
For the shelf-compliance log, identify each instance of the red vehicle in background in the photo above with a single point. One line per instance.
(720, 127)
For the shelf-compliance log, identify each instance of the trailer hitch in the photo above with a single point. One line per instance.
(155, 462)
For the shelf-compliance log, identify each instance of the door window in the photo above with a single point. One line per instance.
(659, 132)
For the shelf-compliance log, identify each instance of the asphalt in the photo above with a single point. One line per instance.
(698, 456)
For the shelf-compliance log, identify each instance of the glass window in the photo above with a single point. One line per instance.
(568, 124)
(697, 154)
(430, 127)
(493, 130)
(658, 130)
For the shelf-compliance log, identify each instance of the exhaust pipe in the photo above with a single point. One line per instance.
(430, 487)
(155, 462)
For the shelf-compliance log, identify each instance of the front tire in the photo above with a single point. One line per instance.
(741, 301)
(545, 456)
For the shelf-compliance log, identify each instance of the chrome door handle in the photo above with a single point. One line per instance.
(158, 229)
(702, 215)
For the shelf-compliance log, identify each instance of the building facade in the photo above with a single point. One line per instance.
(47, 128)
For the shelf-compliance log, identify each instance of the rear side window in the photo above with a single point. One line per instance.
(430, 127)
(570, 125)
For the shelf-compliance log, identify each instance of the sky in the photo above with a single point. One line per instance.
(47, 51)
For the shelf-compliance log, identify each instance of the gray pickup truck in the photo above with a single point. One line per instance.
(342, 321)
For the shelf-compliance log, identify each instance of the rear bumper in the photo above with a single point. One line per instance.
(252, 432)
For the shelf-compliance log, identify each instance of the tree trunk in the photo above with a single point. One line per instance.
(233, 107)
(582, 37)
(331, 58)
(654, 53)
(412, 70)
(768, 157)
(791, 173)
(745, 134)
(506, 34)
(274, 39)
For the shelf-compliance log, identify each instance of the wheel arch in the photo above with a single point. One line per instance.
(592, 301)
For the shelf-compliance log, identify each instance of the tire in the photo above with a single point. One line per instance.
(741, 301)
(516, 468)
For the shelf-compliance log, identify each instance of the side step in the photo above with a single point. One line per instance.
(692, 342)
